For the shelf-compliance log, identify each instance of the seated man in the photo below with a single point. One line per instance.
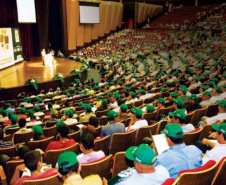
(132, 97)
(182, 93)
(216, 94)
(86, 146)
(206, 96)
(137, 120)
(4, 144)
(170, 102)
(219, 150)
(179, 156)
(123, 113)
(221, 115)
(179, 117)
(88, 113)
(32, 161)
(69, 169)
(145, 170)
(69, 117)
(23, 126)
(193, 103)
(63, 131)
(112, 126)
(14, 124)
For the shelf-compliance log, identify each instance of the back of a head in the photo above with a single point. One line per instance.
(33, 117)
(93, 121)
(31, 160)
(22, 122)
(1, 134)
(87, 140)
(63, 130)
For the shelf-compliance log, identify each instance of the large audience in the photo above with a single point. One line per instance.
(173, 73)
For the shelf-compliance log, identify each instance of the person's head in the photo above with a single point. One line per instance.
(112, 115)
(216, 90)
(14, 119)
(104, 102)
(206, 95)
(36, 108)
(1, 134)
(69, 114)
(67, 164)
(4, 113)
(63, 131)
(182, 90)
(178, 103)
(22, 122)
(87, 141)
(22, 110)
(54, 113)
(221, 105)
(87, 107)
(161, 103)
(37, 130)
(193, 99)
(202, 88)
(123, 108)
(221, 132)
(178, 116)
(137, 113)
(143, 157)
(172, 96)
(66, 104)
(33, 160)
(93, 121)
(150, 108)
(174, 134)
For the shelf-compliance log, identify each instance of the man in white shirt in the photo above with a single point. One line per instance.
(144, 171)
(132, 98)
(137, 120)
(206, 99)
(69, 117)
(86, 146)
(221, 115)
(216, 94)
(219, 150)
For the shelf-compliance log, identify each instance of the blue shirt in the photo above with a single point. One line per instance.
(112, 128)
(180, 157)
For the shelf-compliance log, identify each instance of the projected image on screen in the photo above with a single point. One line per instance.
(26, 11)
(89, 14)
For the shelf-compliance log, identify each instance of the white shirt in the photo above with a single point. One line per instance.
(218, 117)
(216, 154)
(70, 121)
(93, 156)
(138, 124)
(157, 178)
(149, 95)
(223, 95)
(132, 101)
(188, 128)
(215, 98)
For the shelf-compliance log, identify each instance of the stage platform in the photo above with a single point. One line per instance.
(18, 74)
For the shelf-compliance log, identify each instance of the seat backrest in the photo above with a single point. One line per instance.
(212, 110)
(102, 113)
(7, 138)
(191, 137)
(220, 177)
(101, 167)
(52, 155)
(12, 130)
(201, 175)
(130, 105)
(164, 111)
(55, 179)
(149, 116)
(51, 123)
(22, 137)
(49, 132)
(122, 141)
(138, 103)
(142, 132)
(189, 117)
(205, 132)
(10, 168)
(198, 114)
(161, 126)
(169, 181)
(102, 144)
(98, 131)
(41, 144)
(10, 151)
(120, 163)
(75, 136)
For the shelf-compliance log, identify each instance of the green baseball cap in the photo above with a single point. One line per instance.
(14, 118)
(217, 88)
(22, 110)
(150, 108)
(133, 94)
(86, 106)
(179, 113)
(193, 97)
(112, 114)
(99, 97)
(168, 83)
(142, 92)
(59, 123)
(183, 89)
(124, 107)
(137, 111)
(221, 103)
(203, 87)
(70, 113)
(210, 83)
(142, 154)
(30, 112)
(207, 93)
(173, 130)
(161, 100)
(37, 130)
(48, 96)
(116, 96)
(36, 108)
(220, 127)
(215, 79)
(109, 94)
(8, 104)
(173, 94)
(179, 102)
(67, 159)
(104, 102)
(224, 86)
(163, 89)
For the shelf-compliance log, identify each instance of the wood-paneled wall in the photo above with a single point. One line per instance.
(79, 34)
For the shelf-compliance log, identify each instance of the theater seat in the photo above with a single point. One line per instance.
(169, 181)
(220, 177)
(102, 144)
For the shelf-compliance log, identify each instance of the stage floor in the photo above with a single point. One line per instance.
(16, 75)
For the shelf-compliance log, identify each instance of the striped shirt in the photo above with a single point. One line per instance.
(6, 144)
